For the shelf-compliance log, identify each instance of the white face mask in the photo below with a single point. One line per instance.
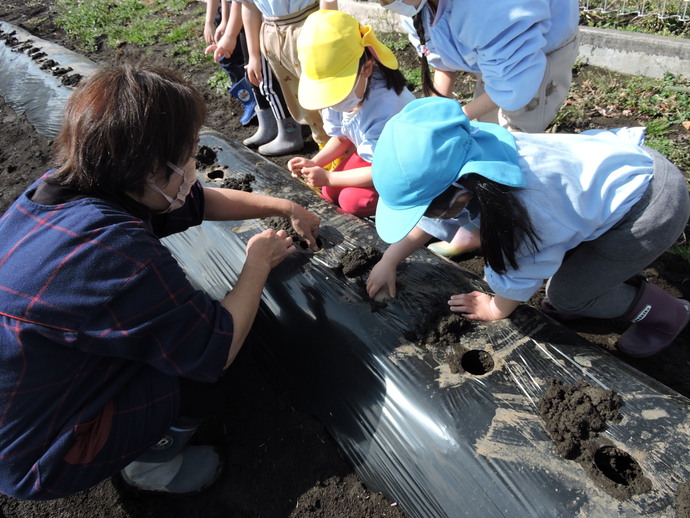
(403, 8)
(351, 101)
(189, 179)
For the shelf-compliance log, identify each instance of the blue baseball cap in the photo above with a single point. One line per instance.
(423, 149)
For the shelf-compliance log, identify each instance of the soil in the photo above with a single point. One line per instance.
(282, 462)
(574, 415)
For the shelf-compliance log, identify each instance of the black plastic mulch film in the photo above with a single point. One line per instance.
(440, 441)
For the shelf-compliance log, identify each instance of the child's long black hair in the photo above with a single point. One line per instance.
(395, 80)
(427, 81)
(505, 223)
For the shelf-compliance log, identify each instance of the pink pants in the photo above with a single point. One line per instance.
(360, 201)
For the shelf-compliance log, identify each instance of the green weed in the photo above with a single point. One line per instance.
(395, 42)
(660, 105)
(91, 23)
(413, 77)
(219, 82)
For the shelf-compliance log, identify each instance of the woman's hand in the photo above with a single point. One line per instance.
(482, 306)
(270, 247)
(296, 164)
(306, 224)
(382, 276)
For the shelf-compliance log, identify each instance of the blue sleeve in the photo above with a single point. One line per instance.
(332, 122)
(511, 53)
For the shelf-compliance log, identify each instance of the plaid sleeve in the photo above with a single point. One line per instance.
(189, 215)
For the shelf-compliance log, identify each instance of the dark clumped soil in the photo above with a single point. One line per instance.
(574, 416)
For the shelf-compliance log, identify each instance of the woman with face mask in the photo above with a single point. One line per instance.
(110, 358)
(354, 80)
(521, 54)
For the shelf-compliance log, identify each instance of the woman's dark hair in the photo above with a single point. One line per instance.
(505, 223)
(123, 124)
(395, 80)
(427, 81)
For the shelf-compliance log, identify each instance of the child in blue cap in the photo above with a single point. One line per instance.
(521, 56)
(586, 212)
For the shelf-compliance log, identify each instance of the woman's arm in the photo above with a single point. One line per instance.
(264, 252)
(234, 205)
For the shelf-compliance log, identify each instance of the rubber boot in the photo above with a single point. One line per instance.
(268, 128)
(562, 316)
(288, 141)
(657, 319)
(171, 466)
(242, 91)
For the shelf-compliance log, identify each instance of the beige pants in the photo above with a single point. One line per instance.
(279, 46)
(541, 110)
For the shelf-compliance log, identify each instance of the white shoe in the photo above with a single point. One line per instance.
(192, 470)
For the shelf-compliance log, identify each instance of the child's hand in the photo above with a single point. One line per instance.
(297, 164)
(220, 50)
(382, 276)
(315, 176)
(209, 32)
(254, 70)
(482, 306)
(220, 30)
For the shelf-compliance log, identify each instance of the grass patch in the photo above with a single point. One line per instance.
(91, 23)
(599, 98)
(219, 81)
(413, 77)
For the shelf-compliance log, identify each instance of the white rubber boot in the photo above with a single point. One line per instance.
(289, 139)
(171, 466)
(268, 128)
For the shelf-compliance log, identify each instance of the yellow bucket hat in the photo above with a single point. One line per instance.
(329, 48)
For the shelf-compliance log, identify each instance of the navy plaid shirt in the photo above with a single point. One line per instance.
(97, 322)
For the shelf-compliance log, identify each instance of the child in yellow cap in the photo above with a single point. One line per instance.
(354, 80)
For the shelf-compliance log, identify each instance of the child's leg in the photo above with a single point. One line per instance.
(288, 137)
(360, 201)
(234, 65)
(279, 45)
(268, 127)
(465, 239)
(592, 279)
